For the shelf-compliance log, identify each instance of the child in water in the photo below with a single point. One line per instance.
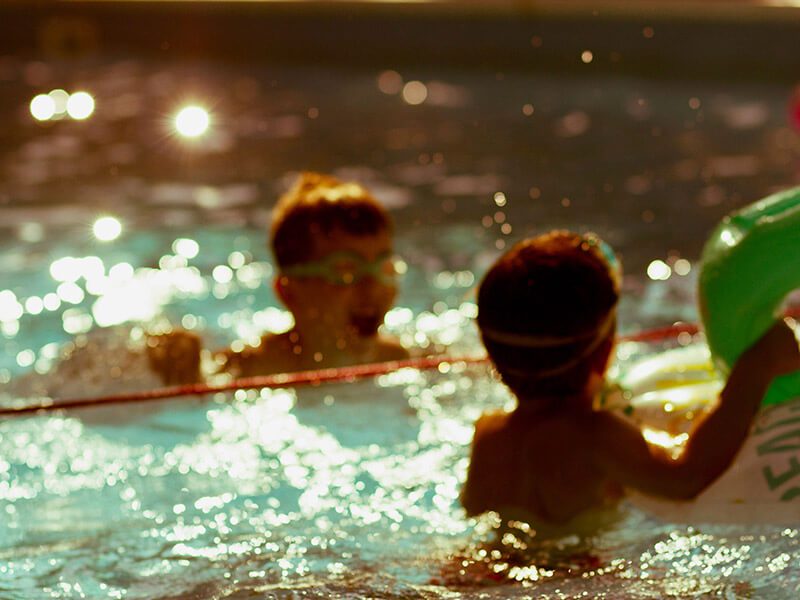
(332, 243)
(547, 316)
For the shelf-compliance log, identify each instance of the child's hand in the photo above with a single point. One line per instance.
(777, 349)
(175, 356)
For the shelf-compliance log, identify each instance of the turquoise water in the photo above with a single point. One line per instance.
(344, 490)
(347, 490)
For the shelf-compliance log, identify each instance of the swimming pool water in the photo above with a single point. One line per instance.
(347, 490)
(343, 490)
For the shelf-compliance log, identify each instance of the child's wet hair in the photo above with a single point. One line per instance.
(315, 206)
(546, 311)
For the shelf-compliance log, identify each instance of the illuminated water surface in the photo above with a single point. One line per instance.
(347, 490)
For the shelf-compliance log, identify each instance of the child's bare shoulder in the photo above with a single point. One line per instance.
(504, 431)
(490, 423)
(270, 356)
(175, 356)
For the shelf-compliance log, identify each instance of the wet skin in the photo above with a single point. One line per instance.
(336, 323)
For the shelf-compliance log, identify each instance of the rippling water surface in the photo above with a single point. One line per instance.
(348, 490)
(341, 490)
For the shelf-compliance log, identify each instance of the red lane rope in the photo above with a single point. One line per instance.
(317, 377)
(660, 333)
(281, 380)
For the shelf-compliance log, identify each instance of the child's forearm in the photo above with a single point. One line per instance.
(715, 441)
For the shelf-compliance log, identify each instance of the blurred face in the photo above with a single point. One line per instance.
(346, 288)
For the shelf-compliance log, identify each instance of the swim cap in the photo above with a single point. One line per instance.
(547, 305)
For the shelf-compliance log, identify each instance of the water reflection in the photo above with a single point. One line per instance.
(107, 229)
(256, 492)
(192, 121)
(42, 107)
(58, 103)
(80, 106)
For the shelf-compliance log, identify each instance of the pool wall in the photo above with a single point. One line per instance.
(718, 40)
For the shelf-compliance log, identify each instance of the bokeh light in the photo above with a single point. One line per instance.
(682, 266)
(57, 103)
(10, 308)
(390, 82)
(186, 247)
(43, 107)
(107, 229)
(34, 305)
(192, 121)
(658, 270)
(415, 92)
(51, 301)
(60, 99)
(222, 274)
(25, 358)
(80, 105)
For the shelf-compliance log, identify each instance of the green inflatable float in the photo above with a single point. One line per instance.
(749, 265)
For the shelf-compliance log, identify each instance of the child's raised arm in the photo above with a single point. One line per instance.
(713, 443)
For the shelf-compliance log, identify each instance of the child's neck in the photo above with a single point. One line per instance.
(567, 403)
(553, 404)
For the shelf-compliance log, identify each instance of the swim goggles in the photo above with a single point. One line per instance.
(346, 267)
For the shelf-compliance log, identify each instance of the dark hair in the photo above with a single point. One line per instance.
(317, 205)
(560, 291)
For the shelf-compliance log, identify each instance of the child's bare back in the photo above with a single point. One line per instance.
(514, 451)
(547, 317)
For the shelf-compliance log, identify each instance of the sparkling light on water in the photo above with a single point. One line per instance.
(415, 92)
(658, 270)
(34, 305)
(121, 271)
(26, 358)
(192, 121)
(682, 266)
(60, 98)
(186, 247)
(343, 490)
(57, 103)
(80, 106)
(70, 292)
(42, 107)
(222, 274)
(390, 82)
(10, 308)
(107, 229)
(51, 301)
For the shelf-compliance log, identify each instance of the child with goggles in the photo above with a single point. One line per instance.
(332, 243)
